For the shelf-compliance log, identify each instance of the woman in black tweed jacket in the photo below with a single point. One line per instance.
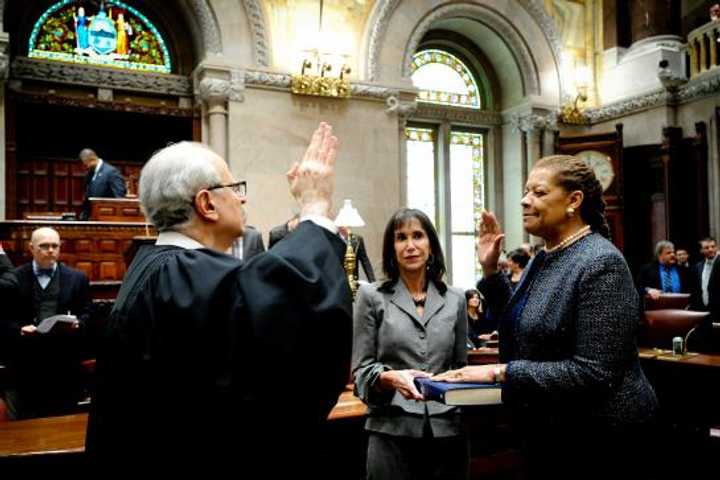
(570, 364)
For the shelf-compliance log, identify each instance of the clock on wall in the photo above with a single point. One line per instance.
(601, 164)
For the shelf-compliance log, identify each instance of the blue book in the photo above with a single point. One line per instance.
(459, 393)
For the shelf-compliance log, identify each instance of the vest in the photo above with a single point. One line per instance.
(45, 302)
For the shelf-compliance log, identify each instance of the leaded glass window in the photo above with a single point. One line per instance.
(421, 170)
(467, 202)
(444, 79)
(113, 34)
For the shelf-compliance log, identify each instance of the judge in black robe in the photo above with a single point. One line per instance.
(210, 362)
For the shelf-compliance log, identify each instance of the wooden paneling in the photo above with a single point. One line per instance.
(58, 184)
(116, 210)
(96, 248)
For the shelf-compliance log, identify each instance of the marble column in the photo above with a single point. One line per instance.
(214, 93)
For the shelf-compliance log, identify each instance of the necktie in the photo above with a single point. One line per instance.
(45, 271)
(666, 280)
(707, 269)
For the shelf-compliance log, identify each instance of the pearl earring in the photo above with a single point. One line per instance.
(570, 211)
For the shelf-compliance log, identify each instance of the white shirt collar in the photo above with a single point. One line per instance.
(99, 164)
(178, 239)
(36, 267)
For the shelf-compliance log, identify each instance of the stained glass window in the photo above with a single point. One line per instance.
(443, 79)
(421, 169)
(113, 34)
(467, 202)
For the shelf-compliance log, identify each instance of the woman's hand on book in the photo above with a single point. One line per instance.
(473, 374)
(402, 381)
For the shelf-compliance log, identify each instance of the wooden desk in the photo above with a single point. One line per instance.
(116, 210)
(66, 435)
(43, 436)
(483, 356)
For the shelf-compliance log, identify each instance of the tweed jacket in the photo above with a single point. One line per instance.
(390, 335)
(571, 349)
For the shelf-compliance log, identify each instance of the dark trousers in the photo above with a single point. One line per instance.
(404, 458)
(593, 453)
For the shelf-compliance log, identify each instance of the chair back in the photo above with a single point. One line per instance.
(675, 301)
(663, 325)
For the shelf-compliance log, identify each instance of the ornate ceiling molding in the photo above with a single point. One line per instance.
(533, 121)
(494, 20)
(699, 88)
(258, 30)
(208, 25)
(258, 78)
(282, 81)
(461, 115)
(379, 22)
(628, 106)
(58, 72)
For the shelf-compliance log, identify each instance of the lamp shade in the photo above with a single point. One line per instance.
(349, 216)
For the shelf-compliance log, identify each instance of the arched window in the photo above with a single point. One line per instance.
(444, 79)
(446, 158)
(114, 34)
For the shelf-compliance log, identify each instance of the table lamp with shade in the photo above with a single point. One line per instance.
(348, 217)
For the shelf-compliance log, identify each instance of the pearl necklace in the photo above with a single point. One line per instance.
(567, 241)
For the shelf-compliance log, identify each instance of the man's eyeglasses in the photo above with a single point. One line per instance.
(240, 188)
(47, 246)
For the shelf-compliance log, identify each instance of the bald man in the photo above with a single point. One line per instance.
(45, 372)
(102, 180)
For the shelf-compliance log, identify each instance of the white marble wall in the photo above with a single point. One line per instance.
(271, 129)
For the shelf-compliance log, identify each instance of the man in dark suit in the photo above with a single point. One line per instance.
(44, 368)
(706, 291)
(358, 246)
(278, 233)
(249, 244)
(196, 349)
(663, 275)
(102, 180)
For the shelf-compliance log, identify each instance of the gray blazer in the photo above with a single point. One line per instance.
(390, 335)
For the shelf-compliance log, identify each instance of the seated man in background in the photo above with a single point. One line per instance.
(102, 180)
(44, 368)
(208, 361)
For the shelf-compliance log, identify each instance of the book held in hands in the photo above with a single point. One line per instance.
(459, 393)
(57, 322)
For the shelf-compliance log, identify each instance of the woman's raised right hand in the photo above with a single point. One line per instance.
(489, 242)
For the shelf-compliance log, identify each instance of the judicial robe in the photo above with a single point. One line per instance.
(203, 354)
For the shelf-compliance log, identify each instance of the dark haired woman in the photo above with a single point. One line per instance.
(412, 324)
(517, 261)
(480, 325)
(570, 363)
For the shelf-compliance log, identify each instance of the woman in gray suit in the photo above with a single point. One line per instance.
(412, 324)
(568, 349)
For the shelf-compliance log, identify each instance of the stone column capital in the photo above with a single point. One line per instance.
(4, 55)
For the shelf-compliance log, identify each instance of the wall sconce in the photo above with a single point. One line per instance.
(349, 217)
(572, 111)
(318, 83)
